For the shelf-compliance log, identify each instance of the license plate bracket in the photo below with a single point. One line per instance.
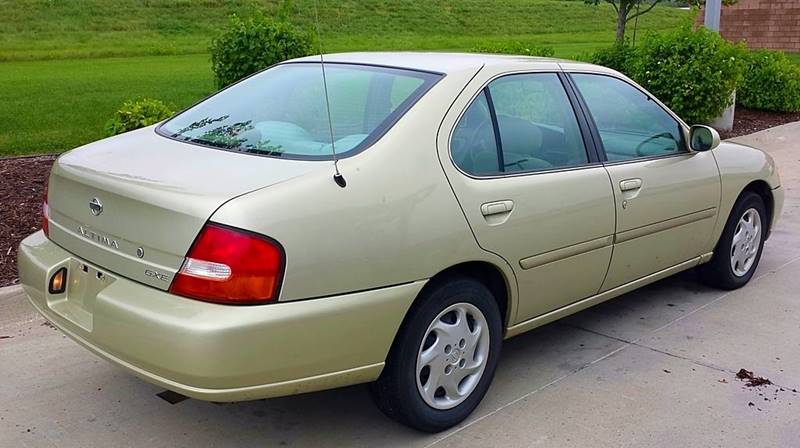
(84, 283)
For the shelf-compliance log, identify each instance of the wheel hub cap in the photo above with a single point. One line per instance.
(452, 356)
(746, 242)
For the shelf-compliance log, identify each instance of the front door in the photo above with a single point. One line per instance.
(666, 195)
(531, 190)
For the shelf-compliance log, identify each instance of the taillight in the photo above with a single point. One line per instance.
(45, 214)
(228, 265)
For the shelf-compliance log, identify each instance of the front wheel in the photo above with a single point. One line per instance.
(739, 249)
(444, 357)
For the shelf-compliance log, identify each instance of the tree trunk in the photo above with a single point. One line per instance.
(622, 18)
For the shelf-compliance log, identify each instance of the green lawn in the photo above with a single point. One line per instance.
(66, 65)
(38, 29)
(794, 57)
(51, 106)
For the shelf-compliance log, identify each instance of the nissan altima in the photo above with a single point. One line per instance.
(390, 222)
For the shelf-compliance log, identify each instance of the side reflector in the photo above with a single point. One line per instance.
(58, 282)
(227, 265)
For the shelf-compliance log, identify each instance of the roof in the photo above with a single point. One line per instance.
(428, 61)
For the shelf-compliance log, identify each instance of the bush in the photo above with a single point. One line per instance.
(618, 57)
(249, 45)
(135, 114)
(771, 82)
(693, 72)
(514, 48)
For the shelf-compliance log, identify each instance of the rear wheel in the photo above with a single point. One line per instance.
(444, 357)
(739, 249)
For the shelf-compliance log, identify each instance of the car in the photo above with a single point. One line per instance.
(384, 218)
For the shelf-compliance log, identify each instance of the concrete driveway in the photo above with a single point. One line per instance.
(652, 368)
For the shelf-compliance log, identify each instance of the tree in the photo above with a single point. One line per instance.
(628, 10)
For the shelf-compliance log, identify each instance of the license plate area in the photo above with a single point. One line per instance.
(84, 283)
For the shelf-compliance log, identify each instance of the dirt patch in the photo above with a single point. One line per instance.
(752, 380)
(22, 182)
(746, 121)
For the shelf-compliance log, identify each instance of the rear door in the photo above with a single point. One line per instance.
(666, 196)
(526, 175)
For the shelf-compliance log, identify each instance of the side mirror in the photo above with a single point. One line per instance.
(703, 138)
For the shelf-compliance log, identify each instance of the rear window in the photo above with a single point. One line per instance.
(281, 111)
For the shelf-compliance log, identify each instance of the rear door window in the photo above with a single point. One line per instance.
(474, 145)
(519, 123)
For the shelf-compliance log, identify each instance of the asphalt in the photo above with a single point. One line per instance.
(656, 367)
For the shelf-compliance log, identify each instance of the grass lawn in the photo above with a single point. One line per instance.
(44, 29)
(52, 106)
(794, 57)
(66, 66)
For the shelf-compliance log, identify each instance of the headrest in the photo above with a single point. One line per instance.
(519, 136)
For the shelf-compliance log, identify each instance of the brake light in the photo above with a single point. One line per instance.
(45, 214)
(228, 265)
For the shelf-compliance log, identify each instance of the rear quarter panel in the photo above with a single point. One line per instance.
(396, 221)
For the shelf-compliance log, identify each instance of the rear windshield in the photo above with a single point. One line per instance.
(281, 111)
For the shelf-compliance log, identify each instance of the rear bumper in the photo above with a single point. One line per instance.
(217, 352)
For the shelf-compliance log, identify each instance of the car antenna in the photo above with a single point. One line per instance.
(337, 176)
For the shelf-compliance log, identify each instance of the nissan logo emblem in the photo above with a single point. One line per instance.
(96, 206)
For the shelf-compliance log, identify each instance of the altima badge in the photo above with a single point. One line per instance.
(102, 239)
(96, 206)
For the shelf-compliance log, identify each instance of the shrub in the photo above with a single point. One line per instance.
(693, 72)
(618, 57)
(135, 114)
(771, 82)
(249, 45)
(514, 48)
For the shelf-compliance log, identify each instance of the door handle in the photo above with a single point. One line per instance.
(630, 184)
(497, 208)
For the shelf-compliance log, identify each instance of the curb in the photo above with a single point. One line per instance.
(763, 132)
(8, 291)
(54, 155)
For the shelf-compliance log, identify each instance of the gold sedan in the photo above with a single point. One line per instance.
(391, 222)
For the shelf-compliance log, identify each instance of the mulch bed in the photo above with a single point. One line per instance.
(747, 121)
(22, 181)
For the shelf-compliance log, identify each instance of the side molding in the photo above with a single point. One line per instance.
(602, 297)
(565, 252)
(665, 225)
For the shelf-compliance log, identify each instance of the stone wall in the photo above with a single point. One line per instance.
(772, 24)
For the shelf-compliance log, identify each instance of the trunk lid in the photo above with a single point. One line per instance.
(133, 204)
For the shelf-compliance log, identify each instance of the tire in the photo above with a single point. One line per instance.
(407, 390)
(726, 270)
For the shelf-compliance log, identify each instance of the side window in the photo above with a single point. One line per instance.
(474, 147)
(402, 88)
(537, 128)
(630, 124)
